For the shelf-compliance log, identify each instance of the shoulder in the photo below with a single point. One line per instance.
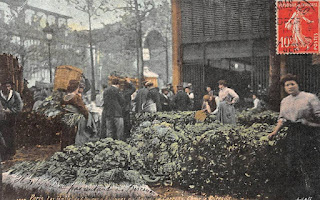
(230, 90)
(309, 96)
(16, 94)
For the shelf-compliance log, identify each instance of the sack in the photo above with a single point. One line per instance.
(149, 106)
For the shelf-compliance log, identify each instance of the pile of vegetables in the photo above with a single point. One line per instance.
(236, 160)
(103, 163)
(250, 117)
(175, 118)
(210, 157)
(93, 163)
(171, 148)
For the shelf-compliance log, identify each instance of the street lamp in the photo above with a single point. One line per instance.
(48, 31)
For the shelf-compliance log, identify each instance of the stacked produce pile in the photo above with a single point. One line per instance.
(177, 119)
(210, 157)
(172, 149)
(162, 147)
(236, 160)
(110, 165)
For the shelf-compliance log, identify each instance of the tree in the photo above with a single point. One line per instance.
(160, 20)
(136, 14)
(92, 8)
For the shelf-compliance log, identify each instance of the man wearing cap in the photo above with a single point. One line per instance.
(181, 100)
(12, 105)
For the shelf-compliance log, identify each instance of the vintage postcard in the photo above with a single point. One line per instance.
(159, 99)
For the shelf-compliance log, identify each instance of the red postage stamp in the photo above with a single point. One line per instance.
(297, 24)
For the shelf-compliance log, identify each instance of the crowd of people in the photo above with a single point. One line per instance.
(109, 115)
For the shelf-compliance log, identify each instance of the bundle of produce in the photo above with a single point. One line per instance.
(111, 166)
(232, 160)
(51, 106)
(249, 117)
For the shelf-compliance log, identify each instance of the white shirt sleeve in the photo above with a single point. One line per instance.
(234, 95)
(255, 103)
(217, 103)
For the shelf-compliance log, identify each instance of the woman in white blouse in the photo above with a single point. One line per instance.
(300, 112)
(228, 97)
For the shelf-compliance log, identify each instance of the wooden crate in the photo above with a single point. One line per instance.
(64, 74)
(10, 70)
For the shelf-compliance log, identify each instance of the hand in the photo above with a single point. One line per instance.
(271, 135)
(7, 110)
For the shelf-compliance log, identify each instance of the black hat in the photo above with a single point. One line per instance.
(149, 84)
(179, 86)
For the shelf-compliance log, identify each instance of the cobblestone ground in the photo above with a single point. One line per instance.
(44, 152)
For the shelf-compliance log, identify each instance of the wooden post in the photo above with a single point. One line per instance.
(176, 43)
(283, 71)
(274, 62)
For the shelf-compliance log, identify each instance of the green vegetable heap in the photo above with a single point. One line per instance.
(106, 161)
(171, 148)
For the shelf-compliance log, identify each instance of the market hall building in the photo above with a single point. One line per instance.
(230, 39)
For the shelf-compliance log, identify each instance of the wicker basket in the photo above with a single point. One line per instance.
(200, 115)
(64, 74)
(122, 80)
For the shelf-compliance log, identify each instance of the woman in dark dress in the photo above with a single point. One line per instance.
(300, 112)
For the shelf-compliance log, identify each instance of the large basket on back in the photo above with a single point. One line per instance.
(64, 74)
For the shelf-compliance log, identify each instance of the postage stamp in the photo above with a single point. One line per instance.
(297, 23)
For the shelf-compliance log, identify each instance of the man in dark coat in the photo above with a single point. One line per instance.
(113, 103)
(129, 89)
(141, 98)
(154, 95)
(2, 148)
(165, 101)
(181, 100)
(12, 106)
